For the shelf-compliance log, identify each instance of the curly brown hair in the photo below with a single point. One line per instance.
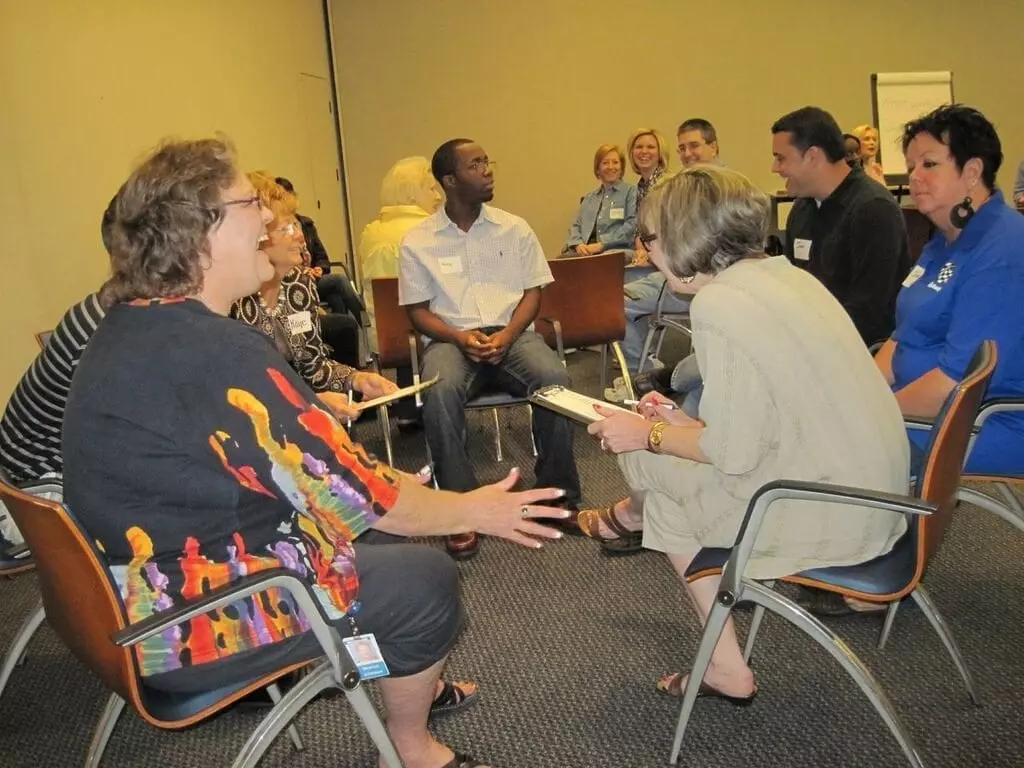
(162, 216)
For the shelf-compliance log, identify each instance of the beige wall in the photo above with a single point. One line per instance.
(88, 87)
(541, 83)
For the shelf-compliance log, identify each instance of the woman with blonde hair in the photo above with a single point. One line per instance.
(868, 137)
(648, 156)
(759, 325)
(408, 195)
(286, 308)
(606, 218)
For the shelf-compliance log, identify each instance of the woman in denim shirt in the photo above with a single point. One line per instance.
(607, 216)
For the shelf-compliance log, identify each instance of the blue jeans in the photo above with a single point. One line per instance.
(686, 380)
(641, 303)
(528, 365)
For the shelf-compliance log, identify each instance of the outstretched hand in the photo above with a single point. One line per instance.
(499, 511)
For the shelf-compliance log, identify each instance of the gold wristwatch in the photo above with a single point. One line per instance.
(655, 436)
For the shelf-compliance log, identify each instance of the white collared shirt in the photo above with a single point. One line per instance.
(472, 279)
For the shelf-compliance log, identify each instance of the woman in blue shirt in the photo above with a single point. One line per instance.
(967, 286)
(607, 216)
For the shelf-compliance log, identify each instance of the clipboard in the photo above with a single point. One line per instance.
(403, 392)
(574, 405)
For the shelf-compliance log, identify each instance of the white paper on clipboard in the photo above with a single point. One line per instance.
(404, 392)
(574, 405)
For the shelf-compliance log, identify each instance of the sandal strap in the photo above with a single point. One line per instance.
(611, 521)
(450, 695)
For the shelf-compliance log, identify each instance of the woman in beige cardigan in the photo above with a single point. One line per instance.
(790, 392)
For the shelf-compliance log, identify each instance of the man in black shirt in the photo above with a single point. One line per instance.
(845, 229)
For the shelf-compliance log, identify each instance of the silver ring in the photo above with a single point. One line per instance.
(524, 511)
(604, 445)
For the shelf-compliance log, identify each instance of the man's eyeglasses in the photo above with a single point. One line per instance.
(478, 166)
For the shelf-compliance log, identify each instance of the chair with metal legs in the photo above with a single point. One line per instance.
(659, 324)
(84, 608)
(886, 579)
(1008, 506)
(17, 560)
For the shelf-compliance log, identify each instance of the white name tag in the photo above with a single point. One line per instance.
(802, 249)
(300, 322)
(450, 265)
(617, 214)
(913, 277)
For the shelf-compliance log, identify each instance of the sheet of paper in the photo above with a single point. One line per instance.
(580, 405)
(404, 392)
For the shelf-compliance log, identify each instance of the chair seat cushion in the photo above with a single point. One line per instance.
(883, 575)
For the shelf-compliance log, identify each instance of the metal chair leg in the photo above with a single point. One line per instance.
(274, 691)
(604, 367)
(791, 612)
(16, 653)
(385, 426)
(890, 618)
(111, 712)
(497, 435)
(712, 631)
(533, 438)
(1011, 499)
(648, 342)
(367, 713)
(986, 502)
(924, 602)
(755, 625)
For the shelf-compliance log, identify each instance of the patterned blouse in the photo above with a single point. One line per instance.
(294, 325)
(643, 186)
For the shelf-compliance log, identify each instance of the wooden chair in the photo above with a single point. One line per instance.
(84, 608)
(886, 579)
(398, 345)
(583, 307)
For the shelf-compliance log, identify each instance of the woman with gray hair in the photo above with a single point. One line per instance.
(788, 390)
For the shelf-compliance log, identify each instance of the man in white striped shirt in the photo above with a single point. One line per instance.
(470, 277)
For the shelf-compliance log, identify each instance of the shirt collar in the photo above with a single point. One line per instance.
(442, 221)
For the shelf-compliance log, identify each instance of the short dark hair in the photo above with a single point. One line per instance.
(281, 181)
(966, 132)
(813, 127)
(445, 161)
(707, 130)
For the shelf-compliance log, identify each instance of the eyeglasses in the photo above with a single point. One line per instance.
(288, 230)
(646, 238)
(478, 166)
(243, 202)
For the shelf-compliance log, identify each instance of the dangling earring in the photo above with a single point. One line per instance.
(962, 213)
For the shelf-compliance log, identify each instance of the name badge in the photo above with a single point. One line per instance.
(366, 656)
(300, 322)
(450, 265)
(913, 277)
(801, 249)
(617, 214)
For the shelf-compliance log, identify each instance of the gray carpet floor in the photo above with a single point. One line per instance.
(566, 645)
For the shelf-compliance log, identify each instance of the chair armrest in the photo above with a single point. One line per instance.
(998, 405)
(912, 422)
(37, 487)
(799, 490)
(670, 321)
(276, 578)
(557, 326)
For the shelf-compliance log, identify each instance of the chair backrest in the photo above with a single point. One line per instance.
(586, 298)
(393, 326)
(42, 338)
(939, 479)
(78, 595)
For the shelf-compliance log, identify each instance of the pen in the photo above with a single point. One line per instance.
(669, 406)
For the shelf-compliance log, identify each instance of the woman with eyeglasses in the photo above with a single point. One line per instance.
(195, 455)
(286, 308)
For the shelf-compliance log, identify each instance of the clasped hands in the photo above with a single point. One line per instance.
(624, 432)
(481, 348)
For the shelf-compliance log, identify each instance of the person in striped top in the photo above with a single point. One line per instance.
(31, 424)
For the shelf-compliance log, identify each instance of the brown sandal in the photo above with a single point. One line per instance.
(623, 542)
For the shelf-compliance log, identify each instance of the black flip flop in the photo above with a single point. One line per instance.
(451, 698)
